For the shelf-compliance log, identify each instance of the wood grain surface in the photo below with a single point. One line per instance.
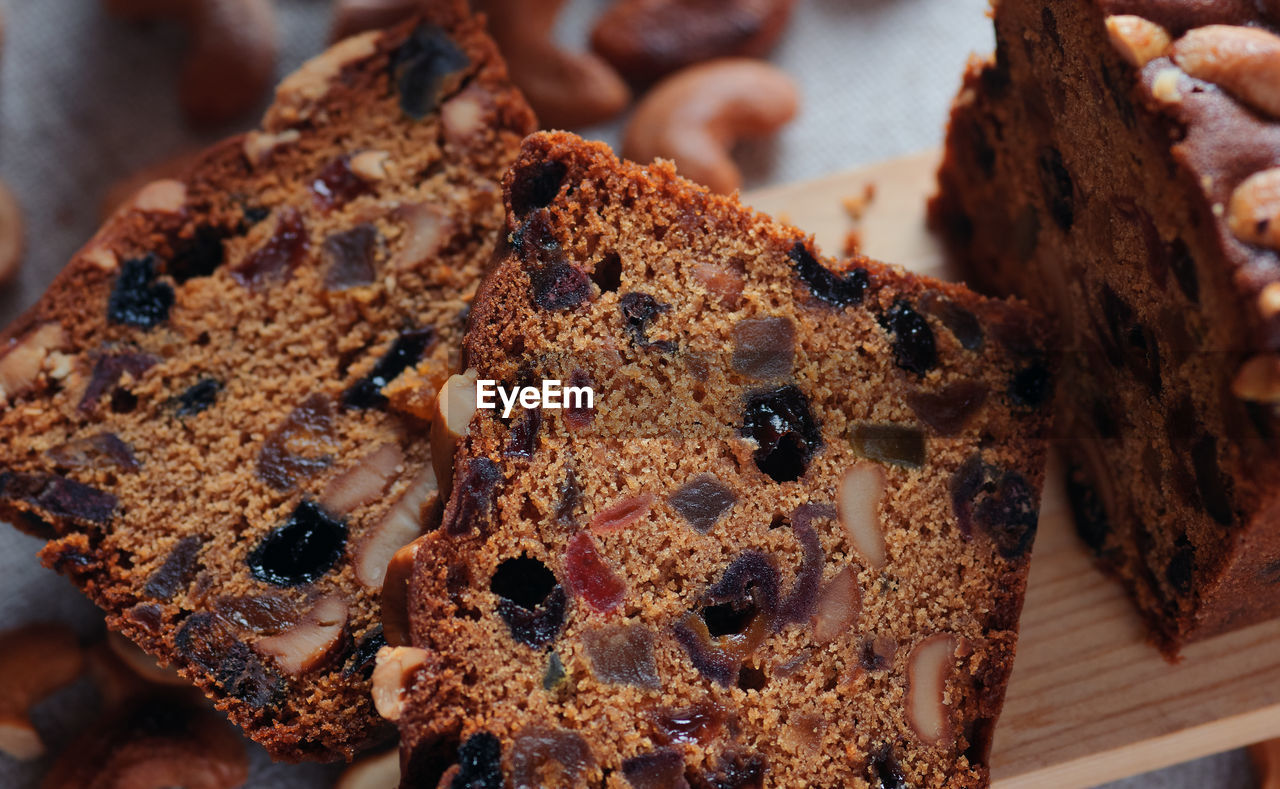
(1090, 700)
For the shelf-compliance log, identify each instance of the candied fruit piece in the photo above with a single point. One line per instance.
(660, 769)
(206, 641)
(840, 290)
(91, 450)
(962, 324)
(263, 613)
(638, 311)
(764, 347)
(290, 452)
(784, 430)
(590, 577)
(578, 415)
(471, 505)
(701, 722)
(913, 344)
(702, 501)
(177, 571)
(530, 600)
(542, 756)
(570, 500)
(107, 372)
(723, 283)
(621, 514)
(555, 673)
(58, 497)
(948, 411)
(198, 397)
(425, 69)
(279, 256)
(306, 547)
(535, 185)
(198, 256)
(137, 299)
(623, 655)
(1059, 190)
(479, 763)
(898, 445)
(407, 349)
(351, 255)
(336, 184)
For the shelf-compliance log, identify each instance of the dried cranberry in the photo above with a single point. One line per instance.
(290, 452)
(702, 501)
(177, 571)
(1031, 385)
(336, 184)
(764, 348)
(660, 769)
(207, 642)
(470, 506)
(404, 352)
(900, 445)
(279, 256)
(1059, 190)
(58, 497)
(537, 746)
(1087, 510)
(949, 410)
(530, 600)
(638, 311)
(306, 547)
(785, 432)
(913, 345)
(351, 255)
(109, 369)
(840, 290)
(479, 763)
(535, 185)
(198, 256)
(1211, 482)
(198, 397)
(425, 68)
(590, 577)
(579, 415)
(137, 299)
(623, 655)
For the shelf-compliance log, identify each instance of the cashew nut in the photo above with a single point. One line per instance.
(357, 16)
(649, 39)
(395, 595)
(11, 236)
(455, 405)
(142, 664)
(157, 740)
(35, 661)
(566, 89)
(376, 771)
(231, 52)
(695, 116)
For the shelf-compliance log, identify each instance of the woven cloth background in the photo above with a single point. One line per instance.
(86, 100)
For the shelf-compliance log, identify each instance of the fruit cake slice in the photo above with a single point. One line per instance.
(787, 540)
(194, 416)
(1116, 164)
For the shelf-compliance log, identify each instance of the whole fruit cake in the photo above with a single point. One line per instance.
(196, 416)
(1116, 164)
(786, 542)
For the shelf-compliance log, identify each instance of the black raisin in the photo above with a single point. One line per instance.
(198, 256)
(1088, 511)
(702, 501)
(306, 547)
(479, 763)
(638, 311)
(405, 352)
(198, 397)
(784, 430)
(1031, 385)
(177, 571)
(1211, 482)
(560, 285)
(1059, 190)
(137, 299)
(206, 641)
(530, 600)
(660, 769)
(750, 585)
(535, 185)
(107, 372)
(58, 497)
(840, 290)
(364, 658)
(883, 770)
(1009, 515)
(1184, 270)
(474, 491)
(1181, 568)
(913, 345)
(523, 440)
(424, 68)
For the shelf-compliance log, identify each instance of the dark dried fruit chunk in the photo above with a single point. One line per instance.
(700, 723)
(279, 256)
(524, 435)
(1001, 504)
(529, 600)
(1059, 191)
(660, 769)
(570, 500)
(590, 577)
(177, 571)
(803, 599)
(137, 299)
(471, 504)
(479, 763)
(702, 501)
(749, 586)
(560, 285)
(898, 445)
(1181, 568)
(426, 68)
(840, 290)
(913, 345)
(539, 752)
(207, 642)
(735, 772)
(638, 311)
(405, 351)
(962, 324)
(364, 658)
(198, 256)
(764, 347)
(883, 770)
(107, 372)
(1031, 385)
(1211, 482)
(294, 450)
(1184, 270)
(623, 655)
(198, 397)
(58, 497)
(948, 411)
(336, 184)
(784, 430)
(1087, 510)
(351, 255)
(306, 547)
(535, 185)
(579, 415)
(717, 664)
(91, 450)
(265, 614)
(877, 653)
(555, 673)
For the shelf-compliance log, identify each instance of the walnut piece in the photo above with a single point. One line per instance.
(22, 361)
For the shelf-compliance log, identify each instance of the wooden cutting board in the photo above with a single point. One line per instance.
(1089, 700)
